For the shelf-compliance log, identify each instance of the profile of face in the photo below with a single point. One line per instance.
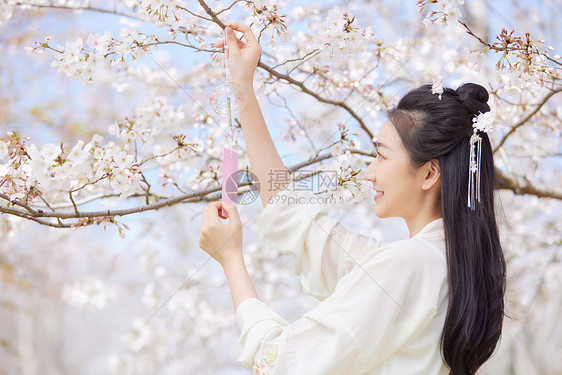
(400, 189)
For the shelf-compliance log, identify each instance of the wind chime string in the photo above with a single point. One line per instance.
(227, 79)
(230, 157)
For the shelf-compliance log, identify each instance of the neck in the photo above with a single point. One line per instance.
(425, 215)
(417, 224)
(428, 210)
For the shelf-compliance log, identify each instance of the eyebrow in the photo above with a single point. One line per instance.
(380, 144)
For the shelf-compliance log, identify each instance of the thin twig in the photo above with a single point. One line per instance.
(306, 90)
(73, 203)
(506, 49)
(194, 14)
(90, 183)
(147, 195)
(286, 106)
(229, 7)
(159, 156)
(17, 203)
(198, 49)
(313, 52)
(525, 119)
(88, 8)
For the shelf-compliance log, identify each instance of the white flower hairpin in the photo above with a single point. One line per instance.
(437, 88)
(483, 122)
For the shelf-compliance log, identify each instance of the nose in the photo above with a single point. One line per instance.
(370, 172)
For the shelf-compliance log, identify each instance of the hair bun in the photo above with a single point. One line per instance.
(473, 97)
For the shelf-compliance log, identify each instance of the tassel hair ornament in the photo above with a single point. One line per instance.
(483, 123)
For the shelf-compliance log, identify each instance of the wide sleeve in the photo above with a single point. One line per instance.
(317, 343)
(295, 221)
(375, 310)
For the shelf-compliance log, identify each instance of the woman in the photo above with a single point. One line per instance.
(430, 304)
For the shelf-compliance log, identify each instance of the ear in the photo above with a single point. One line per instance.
(432, 174)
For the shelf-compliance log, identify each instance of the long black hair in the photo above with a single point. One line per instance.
(433, 127)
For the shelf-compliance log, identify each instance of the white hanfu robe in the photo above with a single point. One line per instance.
(383, 305)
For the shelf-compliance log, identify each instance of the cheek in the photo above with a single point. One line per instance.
(396, 178)
(388, 173)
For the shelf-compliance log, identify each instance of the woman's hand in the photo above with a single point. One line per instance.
(243, 57)
(224, 243)
(221, 241)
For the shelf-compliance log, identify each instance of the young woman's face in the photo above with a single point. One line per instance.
(397, 184)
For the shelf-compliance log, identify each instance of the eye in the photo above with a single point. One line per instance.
(379, 155)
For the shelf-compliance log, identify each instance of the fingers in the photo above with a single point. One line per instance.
(211, 213)
(232, 212)
(220, 43)
(204, 217)
(231, 40)
(231, 37)
(248, 34)
(207, 218)
(220, 214)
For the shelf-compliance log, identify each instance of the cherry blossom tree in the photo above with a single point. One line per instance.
(105, 123)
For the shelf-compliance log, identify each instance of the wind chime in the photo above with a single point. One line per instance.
(225, 99)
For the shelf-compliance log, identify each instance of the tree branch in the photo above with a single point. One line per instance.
(521, 185)
(294, 82)
(194, 14)
(517, 184)
(73, 203)
(312, 53)
(321, 99)
(527, 118)
(88, 8)
(107, 213)
(198, 49)
(212, 14)
(25, 215)
(503, 49)
(229, 7)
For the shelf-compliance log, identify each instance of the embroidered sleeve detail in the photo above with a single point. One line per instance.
(266, 363)
(353, 248)
(268, 360)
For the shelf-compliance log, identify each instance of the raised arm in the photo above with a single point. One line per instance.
(265, 162)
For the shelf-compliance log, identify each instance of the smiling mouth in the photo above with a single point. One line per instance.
(378, 193)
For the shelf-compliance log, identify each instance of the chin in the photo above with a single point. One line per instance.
(380, 213)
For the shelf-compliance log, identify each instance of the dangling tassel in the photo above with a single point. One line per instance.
(478, 163)
(474, 170)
